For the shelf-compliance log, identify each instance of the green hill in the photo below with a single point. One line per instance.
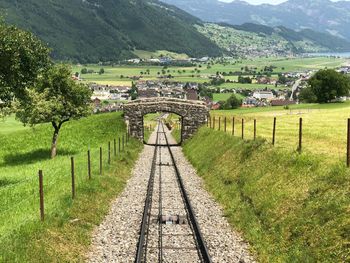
(92, 30)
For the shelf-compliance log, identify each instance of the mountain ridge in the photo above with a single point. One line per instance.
(321, 15)
(93, 31)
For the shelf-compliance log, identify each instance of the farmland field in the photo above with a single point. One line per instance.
(324, 126)
(117, 75)
(224, 96)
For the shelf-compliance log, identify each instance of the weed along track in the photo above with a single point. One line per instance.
(169, 230)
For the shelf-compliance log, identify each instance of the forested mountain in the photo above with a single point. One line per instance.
(319, 15)
(105, 30)
(314, 38)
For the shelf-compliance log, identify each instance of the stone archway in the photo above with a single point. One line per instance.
(193, 113)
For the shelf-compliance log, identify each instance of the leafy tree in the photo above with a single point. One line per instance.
(307, 95)
(84, 71)
(57, 99)
(23, 57)
(328, 84)
(232, 103)
(282, 79)
(244, 80)
(102, 71)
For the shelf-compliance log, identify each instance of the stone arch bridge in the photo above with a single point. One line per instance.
(193, 114)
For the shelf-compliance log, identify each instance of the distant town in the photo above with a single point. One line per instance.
(285, 91)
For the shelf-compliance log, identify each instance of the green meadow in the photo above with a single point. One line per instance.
(324, 126)
(23, 238)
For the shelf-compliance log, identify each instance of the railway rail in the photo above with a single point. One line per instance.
(169, 231)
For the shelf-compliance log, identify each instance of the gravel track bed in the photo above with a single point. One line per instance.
(224, 244)
(115, 240)
(175, 242)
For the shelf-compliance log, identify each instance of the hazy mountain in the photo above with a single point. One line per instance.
(318, 15)
(258, 40)
(103, 30)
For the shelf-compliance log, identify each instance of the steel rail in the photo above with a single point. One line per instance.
(141, 255)
(199, 237)
(147, 207)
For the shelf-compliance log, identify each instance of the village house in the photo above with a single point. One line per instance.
(263, 95)
(167, 89)
(249, 102)
(108, 92)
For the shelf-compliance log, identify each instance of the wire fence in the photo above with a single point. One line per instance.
(30, 199)
(329, 137)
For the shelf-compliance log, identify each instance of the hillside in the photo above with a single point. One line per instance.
(22, 235)
(290, 207)
(92, 30)
(319, 15)
(257, 40)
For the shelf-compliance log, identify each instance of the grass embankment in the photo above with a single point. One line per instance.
(65, 234)
(324, 126)
(149, 124)
(289, 207)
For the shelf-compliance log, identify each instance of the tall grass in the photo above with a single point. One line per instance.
(290, 207)
(23, 153)
(324, 127)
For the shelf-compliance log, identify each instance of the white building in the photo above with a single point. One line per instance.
(260, 95)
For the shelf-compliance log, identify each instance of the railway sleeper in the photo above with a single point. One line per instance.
(173, 219)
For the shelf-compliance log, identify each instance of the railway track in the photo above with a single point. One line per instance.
(169, 230)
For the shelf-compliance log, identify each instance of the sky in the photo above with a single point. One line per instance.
(256, 2)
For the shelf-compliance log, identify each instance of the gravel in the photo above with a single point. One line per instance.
(115, 240)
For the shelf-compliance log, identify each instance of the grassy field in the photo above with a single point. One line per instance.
(113, 74)
(324, 126)
(9, 125)
(149, 123)
(159, 53)
(23, 152)
(225, 96)
(290, 207)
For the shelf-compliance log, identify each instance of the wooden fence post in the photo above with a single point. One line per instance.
(214, 123)
(225, 124)
(119, 148)
(219, 123)
(348, 146)
(73, 177)
(123, 143)
(89, 164)
(100, 160)
(233, 126)
(254, 129)
(274, 131)
(109, 152)
(41, 195)
(210, 122)
(115, 147)
(300, 134)
(242, 129)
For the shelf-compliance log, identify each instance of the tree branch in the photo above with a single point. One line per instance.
(60, 124)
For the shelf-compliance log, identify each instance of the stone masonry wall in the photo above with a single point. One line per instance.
(194, 114)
